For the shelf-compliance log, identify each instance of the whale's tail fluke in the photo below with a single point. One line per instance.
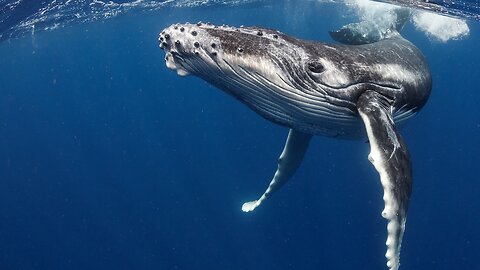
(373, 29)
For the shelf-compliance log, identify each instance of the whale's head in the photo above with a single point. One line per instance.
(311, 86)
(265, 69)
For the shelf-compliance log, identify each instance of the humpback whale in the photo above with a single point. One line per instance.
(356, 88)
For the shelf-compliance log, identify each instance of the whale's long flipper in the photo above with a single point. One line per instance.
(288, 163)
(390, 157)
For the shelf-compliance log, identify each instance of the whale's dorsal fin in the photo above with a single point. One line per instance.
(370, 31)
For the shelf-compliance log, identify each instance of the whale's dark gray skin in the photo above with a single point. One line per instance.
(314, 88)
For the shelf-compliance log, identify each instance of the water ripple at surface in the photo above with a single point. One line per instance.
(466, 9)
(19, 17)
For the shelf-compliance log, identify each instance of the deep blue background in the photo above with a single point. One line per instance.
(108, 160)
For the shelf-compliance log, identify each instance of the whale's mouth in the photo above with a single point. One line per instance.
(189, 48)
(174, 61)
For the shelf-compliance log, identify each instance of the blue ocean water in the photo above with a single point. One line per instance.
(108, 160)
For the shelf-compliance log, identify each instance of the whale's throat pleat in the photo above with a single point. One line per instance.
(272, 93)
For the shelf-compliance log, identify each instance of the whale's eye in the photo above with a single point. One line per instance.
(316, 67)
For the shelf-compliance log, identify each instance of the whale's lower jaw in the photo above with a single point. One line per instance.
(283, 105)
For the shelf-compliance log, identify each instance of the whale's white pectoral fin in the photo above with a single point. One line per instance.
(390, 158)
(250, 206)
(289, 161)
